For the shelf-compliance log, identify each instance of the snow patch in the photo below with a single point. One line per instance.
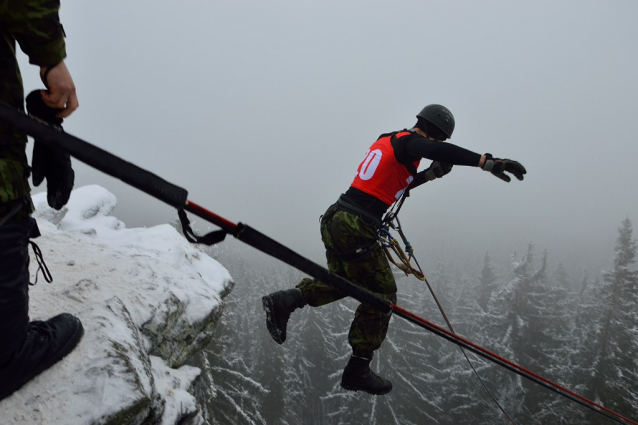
(148, 300)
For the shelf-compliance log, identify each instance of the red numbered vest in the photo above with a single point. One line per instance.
(380, 174)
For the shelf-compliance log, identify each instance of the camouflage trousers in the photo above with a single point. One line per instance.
(344, 232)
(14, 171)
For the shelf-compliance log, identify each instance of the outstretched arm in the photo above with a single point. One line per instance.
(449, 153)
(420, 147)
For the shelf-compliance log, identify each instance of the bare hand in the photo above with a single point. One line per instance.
(61, 93)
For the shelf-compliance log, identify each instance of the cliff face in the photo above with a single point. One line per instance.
(148, 300)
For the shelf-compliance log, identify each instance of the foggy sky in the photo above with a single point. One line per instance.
(263, 111)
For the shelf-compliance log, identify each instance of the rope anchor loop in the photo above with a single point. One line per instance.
(389, 243)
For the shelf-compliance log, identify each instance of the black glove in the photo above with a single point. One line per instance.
(437, 170)
(499, 167)
(49, 162)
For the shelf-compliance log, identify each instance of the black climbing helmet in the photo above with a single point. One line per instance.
(440, 116)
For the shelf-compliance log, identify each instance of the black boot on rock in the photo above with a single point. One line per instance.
(278, 306)
(46, 344)
(358, 376)
(26, 348)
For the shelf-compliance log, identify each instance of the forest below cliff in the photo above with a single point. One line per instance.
(575, 327)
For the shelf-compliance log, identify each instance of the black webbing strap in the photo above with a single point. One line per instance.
(208, 239)
(37, 252)
(351, 208)
(391, 215)
(353, 254)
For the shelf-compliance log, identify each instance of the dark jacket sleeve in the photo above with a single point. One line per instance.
(416, 146)
(35, 25)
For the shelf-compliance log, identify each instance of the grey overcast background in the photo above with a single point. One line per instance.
(263, 111)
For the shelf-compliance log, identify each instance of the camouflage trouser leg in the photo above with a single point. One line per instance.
(342, 231)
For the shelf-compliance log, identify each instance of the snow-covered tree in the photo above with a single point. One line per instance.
(487, 282)
(615, 377)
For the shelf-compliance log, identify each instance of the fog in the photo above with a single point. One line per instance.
(263, 111)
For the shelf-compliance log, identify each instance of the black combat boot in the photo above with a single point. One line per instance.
(357, 376)
(278, 307)
(26, 349)
(46, 344)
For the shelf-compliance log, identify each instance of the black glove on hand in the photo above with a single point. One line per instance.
(48, 162)
(436, 170)
(499, 167)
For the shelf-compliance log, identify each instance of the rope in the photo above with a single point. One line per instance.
(388, 241)
(449, 324)
(507, 364)
(464, 344)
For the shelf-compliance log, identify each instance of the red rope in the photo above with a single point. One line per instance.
(512, 366)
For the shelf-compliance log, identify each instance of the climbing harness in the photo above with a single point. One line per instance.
(343, 204)
(352, 254)
(177, 197)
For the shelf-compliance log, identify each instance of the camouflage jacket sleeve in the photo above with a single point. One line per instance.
(35, 25)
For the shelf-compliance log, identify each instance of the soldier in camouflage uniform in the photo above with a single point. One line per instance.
(27, 348)
(349, 230)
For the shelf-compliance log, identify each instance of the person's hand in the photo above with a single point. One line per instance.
(499, 167)
(48, 162)
(437, 170)
(61, 89)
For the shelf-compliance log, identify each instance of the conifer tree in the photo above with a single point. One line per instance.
(529, 325)
(586, 309)
(487, 282)
(614, 382)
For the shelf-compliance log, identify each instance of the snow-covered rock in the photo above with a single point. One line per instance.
(147, 299)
